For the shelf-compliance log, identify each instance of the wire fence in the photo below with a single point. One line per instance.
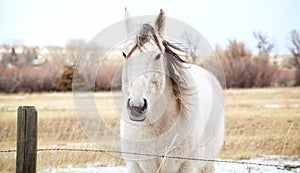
(278, 166)
(30, 112)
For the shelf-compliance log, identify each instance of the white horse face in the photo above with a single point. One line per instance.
(143, 84)
(144, 78)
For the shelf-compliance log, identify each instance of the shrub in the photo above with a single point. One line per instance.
(67, 80)
(108, 77)
(244, 71)
(30, 78)
(9, 79)
(265, 72)
(286, 77)
(102, 78)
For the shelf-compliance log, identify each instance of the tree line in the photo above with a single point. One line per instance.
(30, 70)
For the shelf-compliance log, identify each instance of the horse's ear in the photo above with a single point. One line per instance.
(159, 23)
(129, 23)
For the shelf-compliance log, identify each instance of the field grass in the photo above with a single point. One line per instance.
(259, 122)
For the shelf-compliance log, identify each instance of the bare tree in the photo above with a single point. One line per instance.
(236, 50)
(73, 50)
(264, 44)
(295, 50)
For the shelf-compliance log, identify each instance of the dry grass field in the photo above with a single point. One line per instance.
(259, 122)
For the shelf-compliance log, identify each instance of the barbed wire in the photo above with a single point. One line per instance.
(278, 166)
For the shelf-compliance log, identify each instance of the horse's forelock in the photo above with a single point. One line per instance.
(146, 33)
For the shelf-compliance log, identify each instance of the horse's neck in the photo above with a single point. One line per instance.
(171, 114)
(171, 99)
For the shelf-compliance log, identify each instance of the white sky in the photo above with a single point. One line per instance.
(54, 22)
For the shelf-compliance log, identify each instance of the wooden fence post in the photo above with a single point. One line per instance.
(26, 140)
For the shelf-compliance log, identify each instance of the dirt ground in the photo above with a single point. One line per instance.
(259, 122)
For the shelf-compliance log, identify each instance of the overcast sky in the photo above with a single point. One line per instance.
(54, 22)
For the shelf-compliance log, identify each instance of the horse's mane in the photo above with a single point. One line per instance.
(175, 64)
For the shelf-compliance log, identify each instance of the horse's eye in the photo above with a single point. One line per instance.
(124, 55)
(157, 56)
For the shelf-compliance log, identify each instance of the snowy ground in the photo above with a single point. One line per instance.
(219, 167)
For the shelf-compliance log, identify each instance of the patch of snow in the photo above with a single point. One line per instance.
(219, 167)
(88, 169)
(11, 109)
(277, 106)
(253, 168)
(296, 106)
(58, 108)
(273, 106)
(20, 97)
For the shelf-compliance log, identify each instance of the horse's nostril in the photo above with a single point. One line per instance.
(145, 105)
(128, 103)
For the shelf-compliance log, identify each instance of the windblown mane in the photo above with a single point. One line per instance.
(174, 64)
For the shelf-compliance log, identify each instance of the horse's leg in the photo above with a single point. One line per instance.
(188, 167)
(133, 167)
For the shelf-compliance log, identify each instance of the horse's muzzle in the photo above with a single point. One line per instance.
(137, 109)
